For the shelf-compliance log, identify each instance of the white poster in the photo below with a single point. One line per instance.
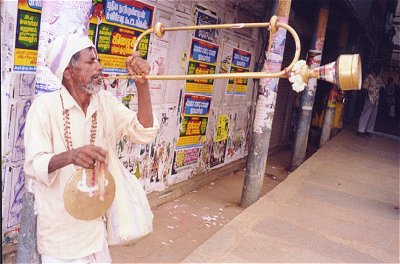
(14, 190)
(18, 124)
(160, 165)
(58, 17)
(152, 163)
(158, 54)
(236, 143)
(25, 86)
(226, 59)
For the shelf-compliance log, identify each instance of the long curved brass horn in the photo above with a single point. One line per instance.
(349, 72)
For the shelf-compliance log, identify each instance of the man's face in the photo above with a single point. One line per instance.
(87, 74)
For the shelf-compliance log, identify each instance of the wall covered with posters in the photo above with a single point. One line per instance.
(204, 124)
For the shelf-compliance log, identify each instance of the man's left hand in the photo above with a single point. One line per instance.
(136, 65)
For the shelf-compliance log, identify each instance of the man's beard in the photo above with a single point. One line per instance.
(93, 86)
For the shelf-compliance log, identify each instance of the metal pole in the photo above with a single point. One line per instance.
(328, 118)
(265, 108)
(313, 60)
(27, 245)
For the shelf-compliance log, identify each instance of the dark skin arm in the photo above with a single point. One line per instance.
(85, 157)
(138, 66)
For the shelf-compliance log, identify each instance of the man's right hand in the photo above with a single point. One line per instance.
(88, 155)
(136, 65)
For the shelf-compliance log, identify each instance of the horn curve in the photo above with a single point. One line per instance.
(345, 71)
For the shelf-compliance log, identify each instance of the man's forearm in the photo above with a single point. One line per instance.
(59, 161)
(145, 111)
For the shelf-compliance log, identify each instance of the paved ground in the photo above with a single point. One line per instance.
(388, 126)
(341, 205)
(182, 225)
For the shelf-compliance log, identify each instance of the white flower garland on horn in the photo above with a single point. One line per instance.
(295, 78)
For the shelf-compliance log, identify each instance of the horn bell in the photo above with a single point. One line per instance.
(345, 72)
(349, 72)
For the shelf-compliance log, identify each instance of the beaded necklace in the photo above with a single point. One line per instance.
(67, 127)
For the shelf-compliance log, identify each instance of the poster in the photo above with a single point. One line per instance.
(160, 165)
(203, 51)
(240, 63)
(205, 19)
(193, 132)
(203, 86)
(152, 163)
(18, 149)
(27, 37)
(237, 86)
(202, 60)
(158, 57)
(114, 27)
(196, 105)
(194, 120)
(15, 189)
(184, 158)
(237, 134)
(218, 146)
(226, 59)
(217, 153)
(118, 87)
(58, 18)
(16, 198)
(25, 85)
(221, 128)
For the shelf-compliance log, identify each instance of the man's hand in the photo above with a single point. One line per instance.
(87, 156)
(138, 66)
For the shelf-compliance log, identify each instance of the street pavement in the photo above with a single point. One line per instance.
(184, 223)
(341, 205)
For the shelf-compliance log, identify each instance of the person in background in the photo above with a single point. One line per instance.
(77, 126)
(389, 98)
(372, 83)
(382, 107)
(397, 102)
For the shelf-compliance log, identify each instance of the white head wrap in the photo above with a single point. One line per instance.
(60, 51)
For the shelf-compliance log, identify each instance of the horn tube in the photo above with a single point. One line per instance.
(159, 30)
(345, 71)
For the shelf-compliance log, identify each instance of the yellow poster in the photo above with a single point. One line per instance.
(237, 86)
(222, 128)
(26, 41)
(240, 64)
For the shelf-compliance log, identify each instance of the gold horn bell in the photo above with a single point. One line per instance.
(349, 69)
(345, 71)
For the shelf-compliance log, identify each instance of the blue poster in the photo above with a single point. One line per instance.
(204, 51)
(204, 19)
(241, 58)
(196, 105)
(129, 13)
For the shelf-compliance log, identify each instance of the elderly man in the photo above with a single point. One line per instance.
(74, 127)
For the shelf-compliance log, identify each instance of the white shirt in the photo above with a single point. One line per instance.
(59, 234)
